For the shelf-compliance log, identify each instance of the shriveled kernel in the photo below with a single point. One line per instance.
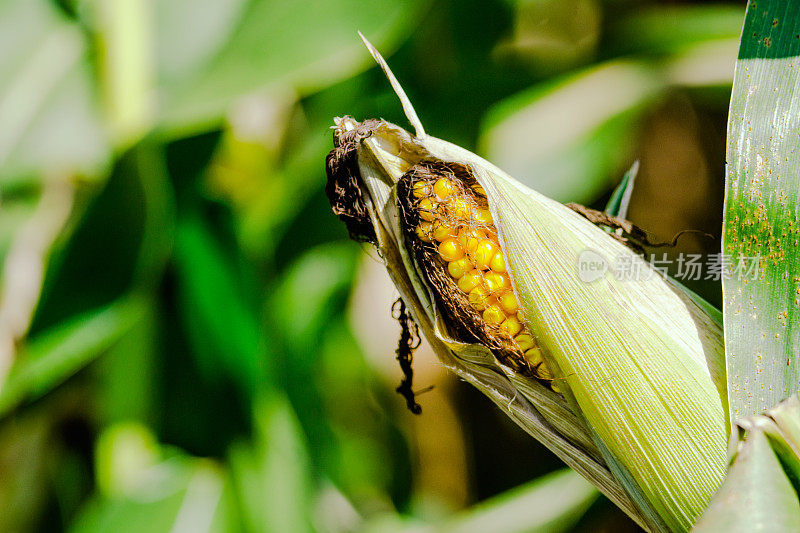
(524, 342)
(450, 250)
(479, 190)
(510, 326)
(479, 298)
(497, 283)
(498, 263)
(493, 315)
(555, 387)
(421, 189)
(457, 269)
(427, 209)
(484, 253)
(469, 238)
(470, 280)
(458, 208)
(443, 188)
(508, 302)
(424, 231)
(534, 356)
(484, 216)
(442, 231)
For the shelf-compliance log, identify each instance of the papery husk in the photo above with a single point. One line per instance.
(641, 364)
(642, 361)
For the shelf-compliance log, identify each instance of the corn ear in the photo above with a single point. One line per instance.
(640, 364)
(384, 153)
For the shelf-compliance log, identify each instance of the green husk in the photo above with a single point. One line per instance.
(761, 489)
(643, 414)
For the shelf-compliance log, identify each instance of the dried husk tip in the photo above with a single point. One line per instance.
(630, 390)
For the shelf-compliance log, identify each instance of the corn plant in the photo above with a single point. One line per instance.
(631, 380)
(189, 341)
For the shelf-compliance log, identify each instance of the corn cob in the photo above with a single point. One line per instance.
(453, 232)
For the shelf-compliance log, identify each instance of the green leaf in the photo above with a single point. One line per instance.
(13, 215)
(302, 312)
(127, 374)
(568, 138)
(272, 45)
(668, 29)
(551, 504)
(787, 416)
(782, 435)
(191, 32)
(53, 356)
(621, 197)
(48, 122)
(304, 301)
(272, 477)
(147, 488)
(760, 490)
(222, 325)
(756, 494)
(761, 225)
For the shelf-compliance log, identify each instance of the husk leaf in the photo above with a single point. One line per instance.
(642, 360)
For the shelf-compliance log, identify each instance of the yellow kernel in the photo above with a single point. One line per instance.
(555, 387)
(508, 302)
(479, 298)
(470, 280)
(534, 356)
(442, 231)
(443, 188)
(524, 342)
(459, 208)
(450, 250)
(424, 231)
(510, 326)
(484, 253)
(421, 189)
(427, 209)
(498, 264)
(493, 315)
(479, 190)
(543, 372)
(457, 269)
(497, 282)
(483, 216)
(469, 238)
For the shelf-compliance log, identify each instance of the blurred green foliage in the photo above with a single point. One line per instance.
(176, 351)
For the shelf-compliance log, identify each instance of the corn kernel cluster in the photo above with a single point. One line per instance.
(467, 241)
